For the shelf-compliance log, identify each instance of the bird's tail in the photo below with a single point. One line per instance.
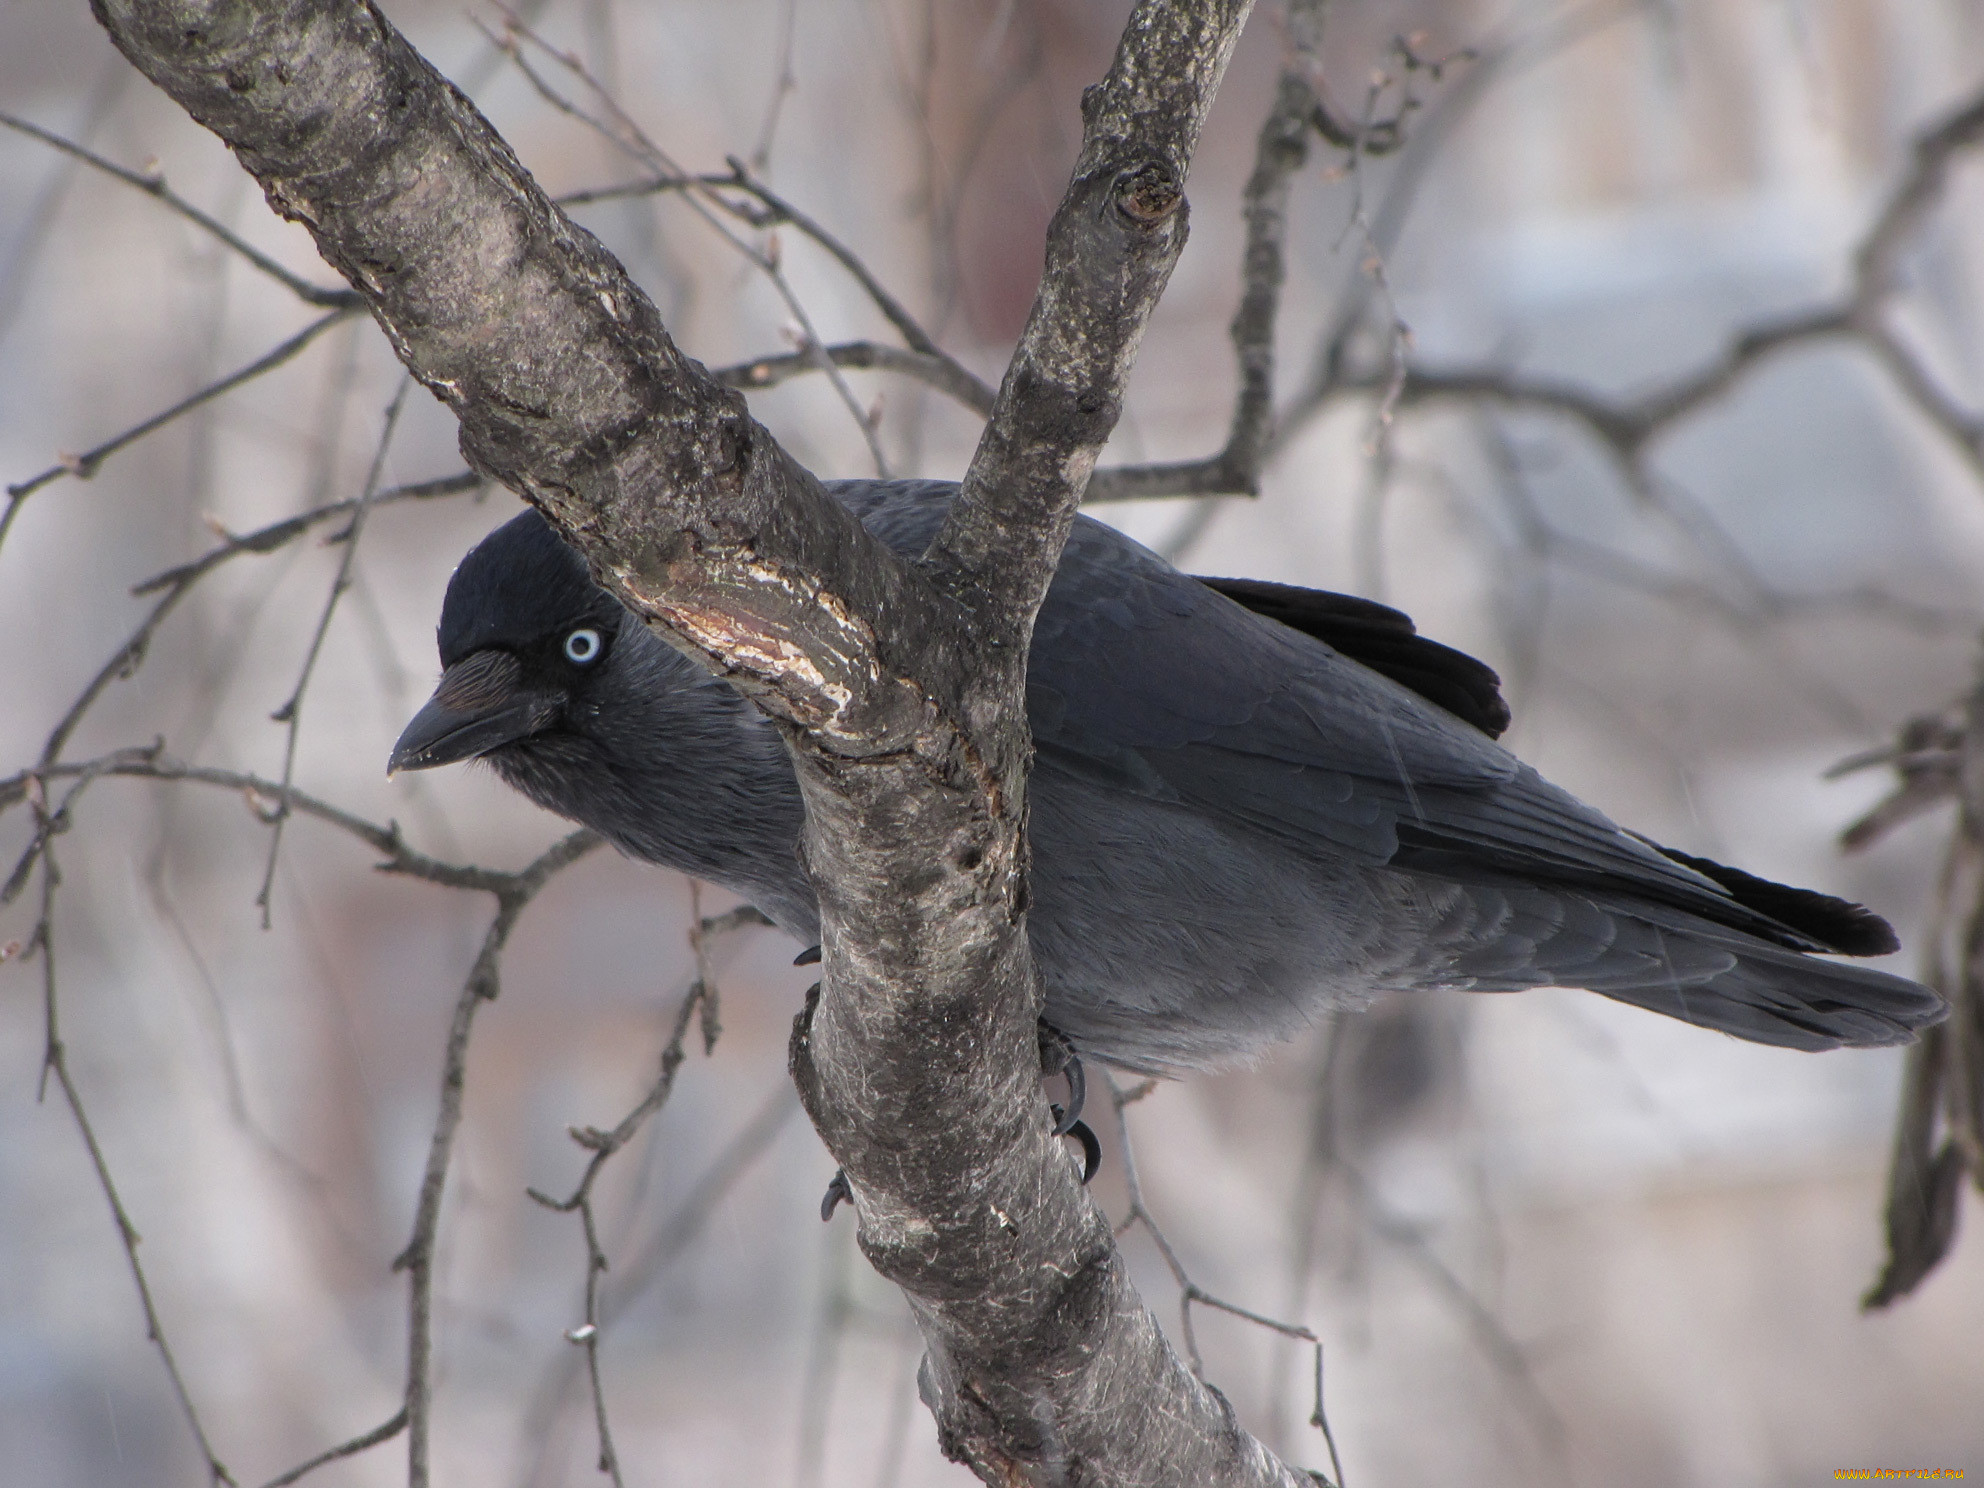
(1769, 995)
(1683, 964)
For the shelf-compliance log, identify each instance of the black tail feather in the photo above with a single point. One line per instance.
(1836, 925)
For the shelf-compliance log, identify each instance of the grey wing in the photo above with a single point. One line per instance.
(1146, 675)
(1145, 679)
(1173, 690)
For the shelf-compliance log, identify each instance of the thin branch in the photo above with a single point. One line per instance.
(153, 185)
(85, 465)
(940, 372)
(484, 981)
(1628, 428)
(778, 211)
(1939, 1128)
(619, 128)
(701, 997)
(55, 1062)
(1383, 132)
(783, 87)
(379, 1434)
(1279, 152)
(278, 534)
(925, 358)
(1489, 1334)
(176, 584)
(631, 1277)
(603, 1145)
(151, 762)
(291, 712)
(1138, 1214)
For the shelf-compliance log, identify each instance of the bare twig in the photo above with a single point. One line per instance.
(602, 1145)
(1939, 1130)
(758, 206)
(55, 1062)
(513, 892)
(619, 128)
(278, 534)
(365, 1441)
(153, 185)
(1138, 1214)
(783, 86)
(1279, 153)
(700, 998)
(1627, 429)
(1320, 1419)
(290, 713)
(85, 465)
(151, 762)
(940, 372)
(631, 1277)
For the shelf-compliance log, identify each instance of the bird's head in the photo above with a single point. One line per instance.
(526, 638)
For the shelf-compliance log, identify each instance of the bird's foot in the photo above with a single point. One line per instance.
(1079, 1130)
(1058, 1057)
(808, 957)
(837, 1193)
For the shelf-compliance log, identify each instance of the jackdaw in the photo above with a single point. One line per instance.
(1250, 804)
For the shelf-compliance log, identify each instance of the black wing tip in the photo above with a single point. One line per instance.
(1386, 641)
(1836, 925)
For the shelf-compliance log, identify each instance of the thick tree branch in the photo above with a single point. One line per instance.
(899, 686)
(1110, 251)
(1280, 151)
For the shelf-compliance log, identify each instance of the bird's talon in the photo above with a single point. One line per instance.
(1077, 1095)
(1058, 1057)
(1091, 1149)
(838, 1192)
(808, 957)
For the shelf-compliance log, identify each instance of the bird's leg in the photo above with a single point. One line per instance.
(1058, 1057)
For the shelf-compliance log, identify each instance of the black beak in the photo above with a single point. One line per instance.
(482, 704)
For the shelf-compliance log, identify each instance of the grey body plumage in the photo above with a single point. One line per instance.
(1234, 825)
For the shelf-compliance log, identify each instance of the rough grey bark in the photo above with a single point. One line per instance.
(899, 686)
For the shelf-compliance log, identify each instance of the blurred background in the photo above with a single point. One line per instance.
(1545, 1239)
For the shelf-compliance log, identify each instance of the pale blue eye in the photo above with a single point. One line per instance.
(582, 646)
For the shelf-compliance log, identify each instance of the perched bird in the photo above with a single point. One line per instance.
(1250, 804)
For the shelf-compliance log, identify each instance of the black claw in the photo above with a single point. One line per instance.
(1077, 1095)
(838, 1192)
(1079, 1130)
(1091, 1150)
(808, 957)
(1058, 1057)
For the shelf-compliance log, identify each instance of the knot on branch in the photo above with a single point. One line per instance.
(1147, 195)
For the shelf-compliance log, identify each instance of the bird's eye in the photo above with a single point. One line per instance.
(582, 645)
